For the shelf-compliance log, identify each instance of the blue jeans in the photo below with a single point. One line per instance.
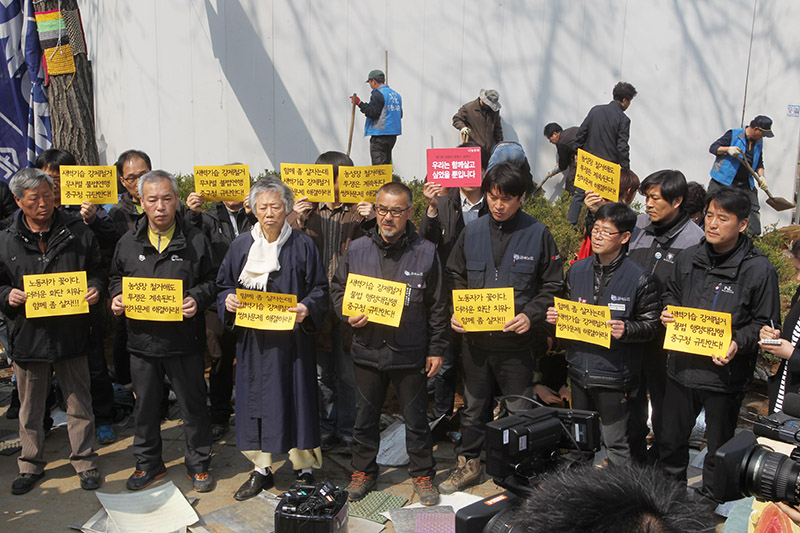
(337, 386)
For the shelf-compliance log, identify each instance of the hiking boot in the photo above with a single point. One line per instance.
(142, 478)
(202, 481)
(254, 484)
(90, 479)
(105, 434)
(428, 495)
(24, 483)
(360, 485)
(328, 442)
(467, 472)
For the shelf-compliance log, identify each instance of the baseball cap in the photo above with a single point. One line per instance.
(764, 123)
(376, 75)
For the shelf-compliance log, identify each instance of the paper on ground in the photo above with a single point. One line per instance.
(155, 510)
(456, 500)
(392, 450)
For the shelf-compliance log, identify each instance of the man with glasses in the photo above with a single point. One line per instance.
(131, 165)
(406, 355)
(508, 248)
(603, 379)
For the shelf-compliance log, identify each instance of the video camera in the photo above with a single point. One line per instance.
(318, 508)
(521, 447)
(743, 467)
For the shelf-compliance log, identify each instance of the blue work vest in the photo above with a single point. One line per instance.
(618, 366)
(725, 167)
(389, 121)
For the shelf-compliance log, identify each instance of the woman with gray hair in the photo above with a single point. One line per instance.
(276, 380)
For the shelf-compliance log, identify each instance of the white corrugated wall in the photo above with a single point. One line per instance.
(267, 81)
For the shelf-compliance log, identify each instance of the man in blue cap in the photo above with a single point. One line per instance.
(383, 112)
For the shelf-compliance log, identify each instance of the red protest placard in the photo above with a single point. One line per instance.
(455, 167)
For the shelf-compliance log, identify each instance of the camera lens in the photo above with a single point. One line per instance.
(502, 522)
(772, 476)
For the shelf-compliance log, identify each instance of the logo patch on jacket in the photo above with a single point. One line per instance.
(175, 257)
(408, 273)
(727, 289)
(615, 298)
(518, 257)
(141, 257)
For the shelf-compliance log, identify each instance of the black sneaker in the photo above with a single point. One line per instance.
(328, 442)
(303, 478)
(202, 481)
(254, 484)
(25, 482)
(90, 479)
(218, 431)
(142, 478)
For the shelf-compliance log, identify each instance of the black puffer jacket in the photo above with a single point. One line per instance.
(744, 284)
(187, 257)
(70, 246)
(617, 367)
(647, 309)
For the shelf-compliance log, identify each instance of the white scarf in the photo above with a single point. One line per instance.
(263, 258)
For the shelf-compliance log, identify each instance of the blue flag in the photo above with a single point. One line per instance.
(24, 112)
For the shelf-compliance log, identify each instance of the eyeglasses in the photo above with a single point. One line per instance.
(396, 212)
(132, 179)
(603, 233)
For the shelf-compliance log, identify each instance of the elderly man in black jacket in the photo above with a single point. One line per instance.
(162, 245)
(42, 240)
(604, 379)
(404, 355)
(724, 273)
(606, 129)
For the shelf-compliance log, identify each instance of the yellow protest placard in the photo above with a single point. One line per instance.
(379, 299)
(598, 175)
(698, 331)
(222, 183)
(265, 310)
(153, 299)
(483, 309)
(55, 294)
(583, 322)
(312, 181)
(97, 185)
(361, 184)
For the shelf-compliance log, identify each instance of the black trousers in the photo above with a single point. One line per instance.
(653, 380)
(614, 408)
(380, 148)
(513, 372)
(186, 376)
(100, 382)
(122, 359)
(410, 385)
(222, 347)
(722, 412)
